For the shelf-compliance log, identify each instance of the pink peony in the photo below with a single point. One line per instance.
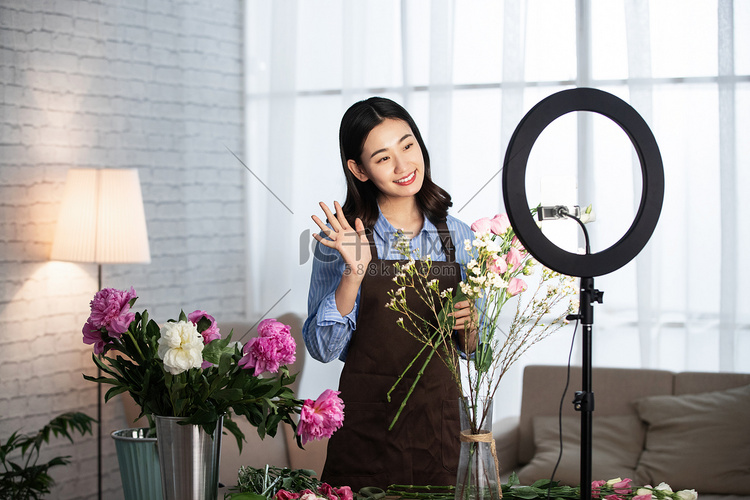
(595, 487)
(210, 333)
(499, 224)
(514, 258)
(94, 336)
(499, 266)
(481, 225)
(272, 348)
(516, 286)
(110, 309)
(322, 417)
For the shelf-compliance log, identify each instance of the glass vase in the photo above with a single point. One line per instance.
(477, 477)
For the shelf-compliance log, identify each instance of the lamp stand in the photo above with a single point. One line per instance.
(99, 411)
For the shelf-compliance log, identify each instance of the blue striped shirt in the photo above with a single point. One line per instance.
(326, 332)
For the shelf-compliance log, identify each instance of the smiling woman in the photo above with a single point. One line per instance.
(387, 169)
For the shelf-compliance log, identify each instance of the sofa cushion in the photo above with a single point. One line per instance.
(698, 441)
(617, 441)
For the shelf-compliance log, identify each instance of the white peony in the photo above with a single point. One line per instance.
(180, 346)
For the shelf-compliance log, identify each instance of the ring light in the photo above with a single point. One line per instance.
(514, 182)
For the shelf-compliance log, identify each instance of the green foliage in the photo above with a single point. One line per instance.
(23, 477)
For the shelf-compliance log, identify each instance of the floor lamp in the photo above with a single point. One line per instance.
(101, 221)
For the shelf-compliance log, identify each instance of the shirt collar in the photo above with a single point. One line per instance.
(385, 230)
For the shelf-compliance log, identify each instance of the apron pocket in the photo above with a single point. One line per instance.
(359, 447)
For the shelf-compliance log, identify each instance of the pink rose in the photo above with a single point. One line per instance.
(273, 348)
(499, 266)
(110, 309)
(94, 336)
(322, 417)
(211, 332)
(481, 225)
(516, 286)
(345, 493)
(327, 491)
(499, 224)
(622, 487)
(286, 495)
(308, 495)
(596, 486)
(514, 258)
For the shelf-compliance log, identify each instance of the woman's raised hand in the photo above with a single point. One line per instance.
(350, 242)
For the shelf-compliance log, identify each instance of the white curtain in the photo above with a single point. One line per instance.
(468, 70)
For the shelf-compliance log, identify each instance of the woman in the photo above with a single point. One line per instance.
(389, 188)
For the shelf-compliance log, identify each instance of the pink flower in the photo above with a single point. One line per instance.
(642, 497)
(595, 487)
(514, 258)
(286, 495)
(622, 487)
(273, 348)
(110, 309)
(499, 224)
(211, 332)
(326, 490)
(516, 243)
(516, 286)
(94, 336)
(481, 225)
(613, 497)
(308, 495)
(322, 417)
(499, 266)
(345, 493)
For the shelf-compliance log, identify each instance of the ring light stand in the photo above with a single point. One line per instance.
(588, 265)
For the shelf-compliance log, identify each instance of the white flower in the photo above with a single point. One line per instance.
(687, 494)
(644, 491)
(180, 346)
(664, 487)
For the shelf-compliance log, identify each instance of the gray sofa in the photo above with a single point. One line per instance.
(690, 430)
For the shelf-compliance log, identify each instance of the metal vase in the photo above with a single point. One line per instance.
(189, 459)
(139, 464)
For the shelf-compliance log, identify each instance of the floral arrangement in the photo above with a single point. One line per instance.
(186, 369)
(495, 273)
(544, 489)
(282, 483)
(623, 489)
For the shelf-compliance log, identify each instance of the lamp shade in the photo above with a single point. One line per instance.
(101, 218)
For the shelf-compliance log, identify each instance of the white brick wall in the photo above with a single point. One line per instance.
(152, 84)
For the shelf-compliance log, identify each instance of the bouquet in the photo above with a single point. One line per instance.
(495, 274)
(186, 369)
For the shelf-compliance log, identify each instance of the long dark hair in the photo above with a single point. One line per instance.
(361, 197)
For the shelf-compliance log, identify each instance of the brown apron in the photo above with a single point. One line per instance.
(423, 446)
